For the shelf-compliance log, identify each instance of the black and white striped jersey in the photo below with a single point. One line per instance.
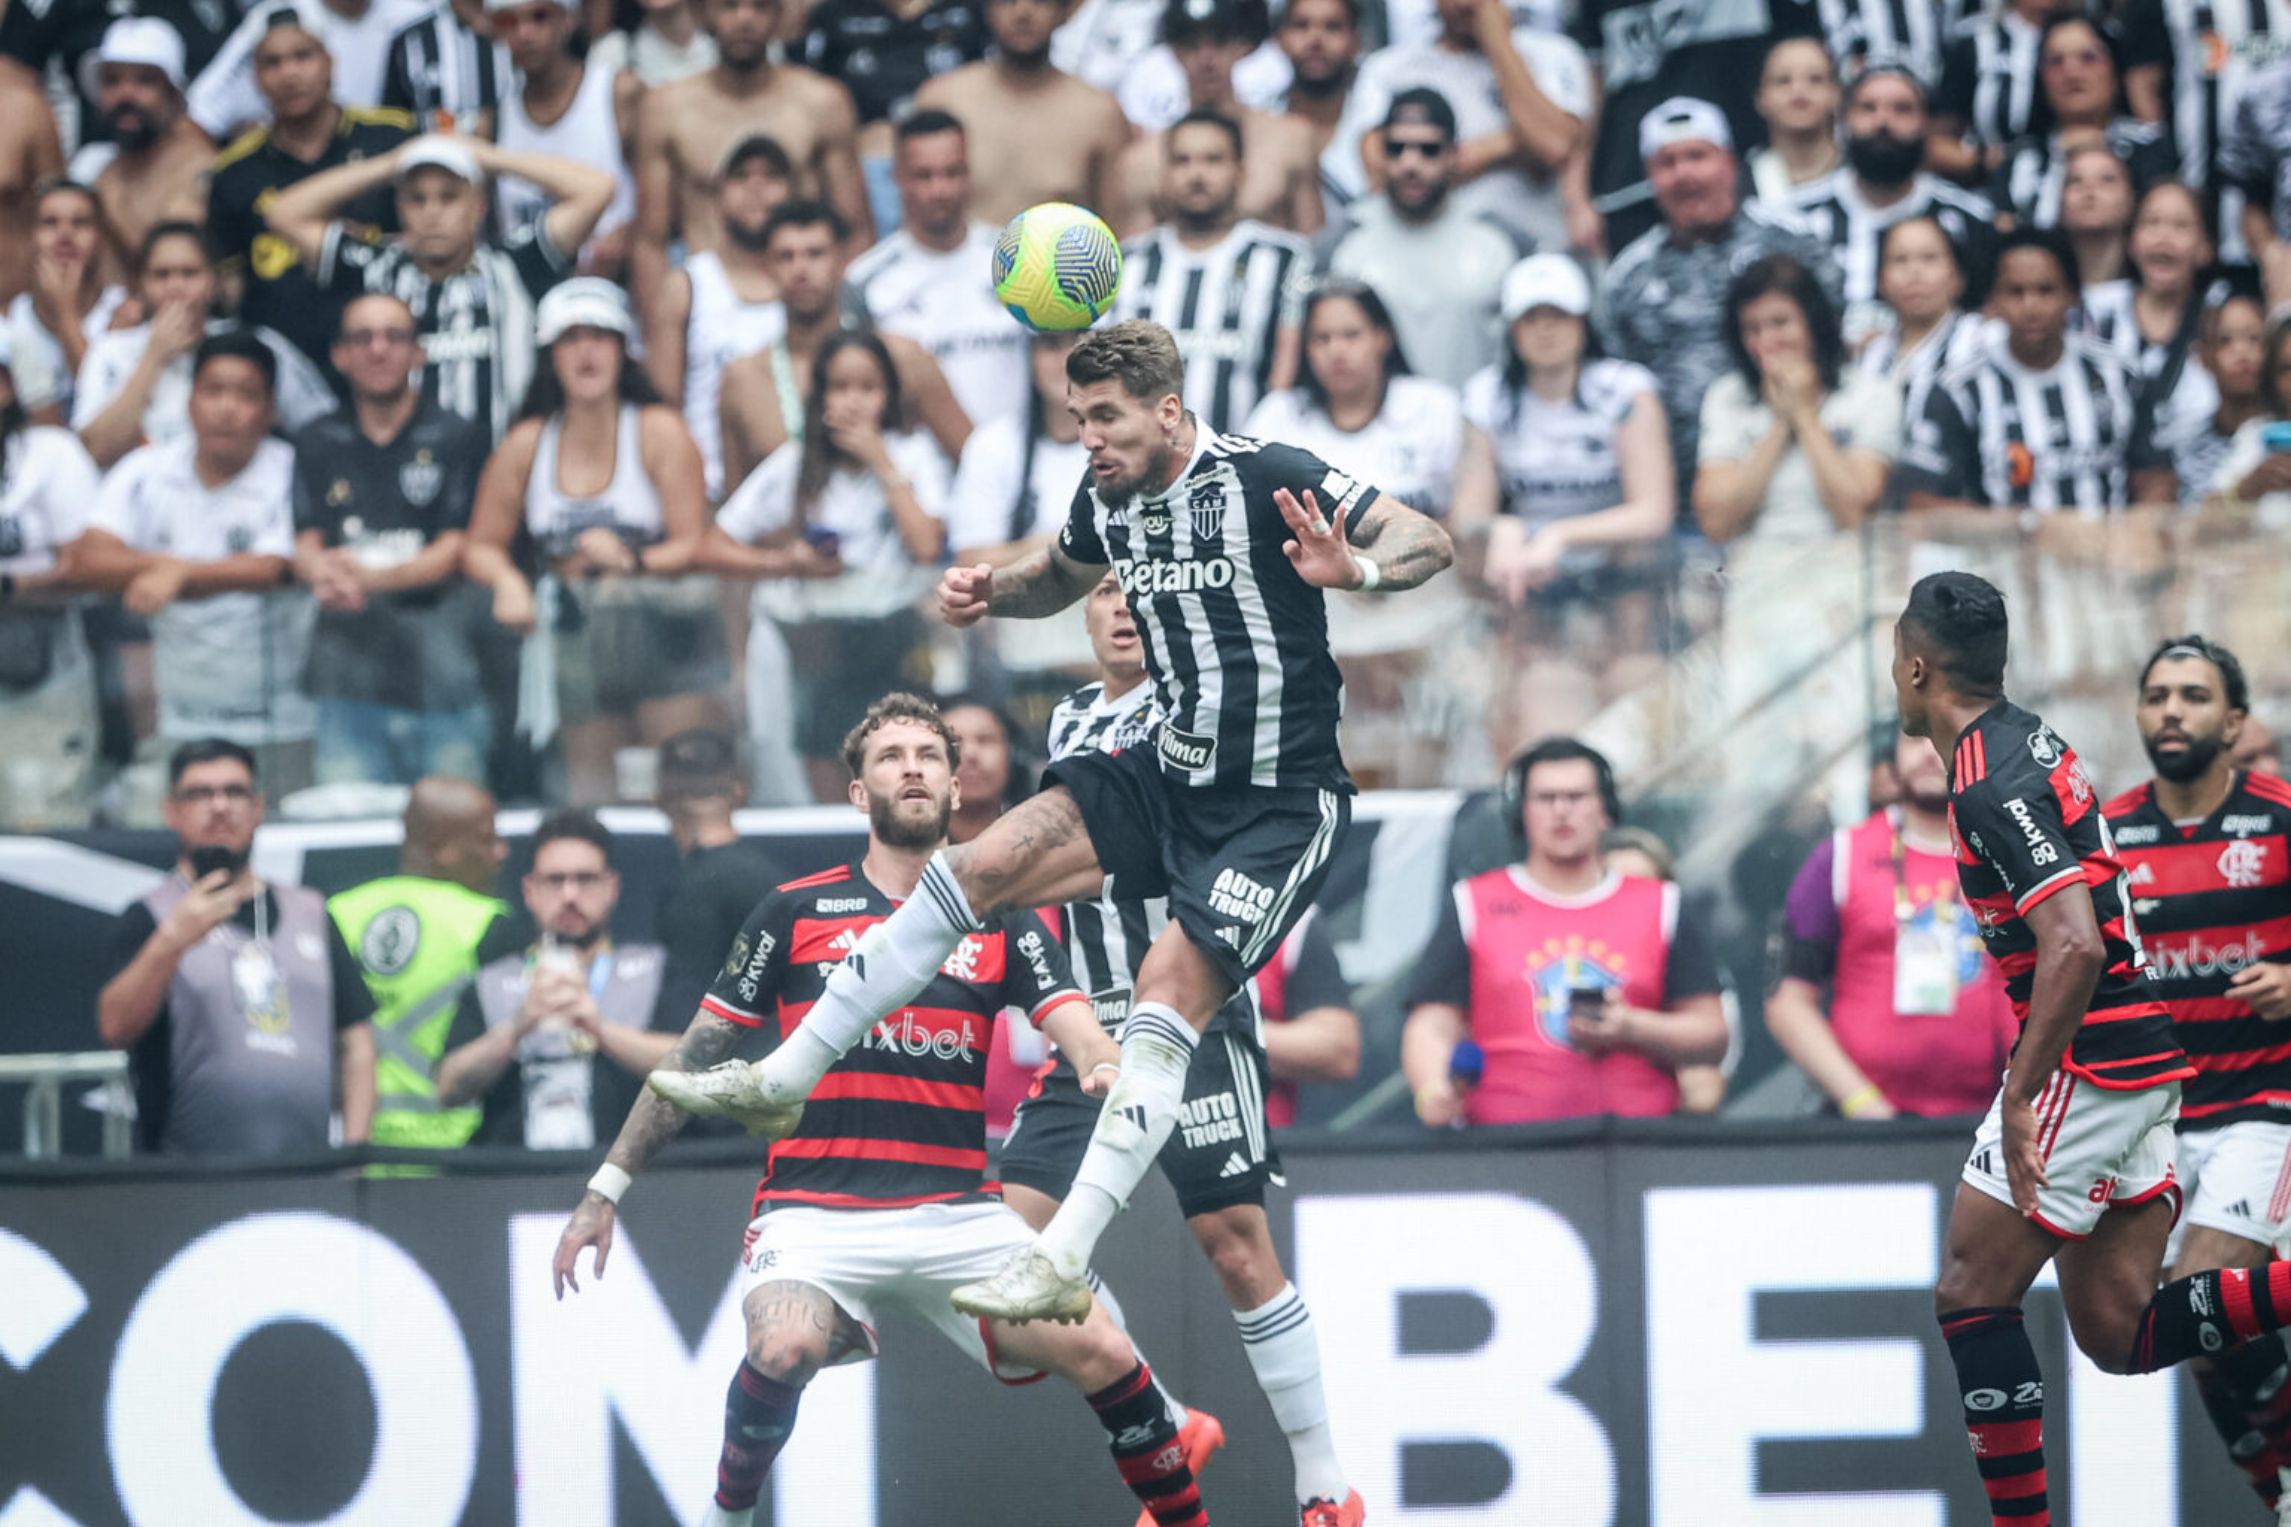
(1989, 79)
(1226, 305)
(1865, 32)
(476, 325)
(2105, 312)
(1954, 342)
(2213, 52)
(1236, 641)
(2035, 172)
(1999, 434)
(2255, 157)
(1835, 208)
(444, 73)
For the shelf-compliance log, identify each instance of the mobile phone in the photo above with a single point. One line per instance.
(2275, 438)
(823, 540)
(210, 857)
(1588, 1002)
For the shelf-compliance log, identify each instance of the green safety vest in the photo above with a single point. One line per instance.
(416, 939)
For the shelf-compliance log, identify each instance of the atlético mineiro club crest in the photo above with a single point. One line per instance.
(1205, 504)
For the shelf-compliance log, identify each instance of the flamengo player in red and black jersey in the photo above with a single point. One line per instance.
(2208, 851)
(2075, 1157)
(878, 1199)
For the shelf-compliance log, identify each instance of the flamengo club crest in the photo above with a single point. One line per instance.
(420, 479)
(2243, 864)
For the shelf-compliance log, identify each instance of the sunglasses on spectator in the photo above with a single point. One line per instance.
(359, 339)
(1401, 148)
(229, 795)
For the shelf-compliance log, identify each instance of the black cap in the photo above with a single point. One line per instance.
(1422, 106)
(1184, 21)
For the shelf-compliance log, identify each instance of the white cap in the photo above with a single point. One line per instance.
(1545, 281)
(144, 40)
(438, 151)
(1682, 119)
(585, 302)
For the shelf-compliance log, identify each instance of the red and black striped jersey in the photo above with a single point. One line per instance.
(2026, 827)
(901, 1120)
(2213, 897)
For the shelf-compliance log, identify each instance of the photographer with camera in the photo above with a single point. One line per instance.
(1552, 988)
(237, 1000)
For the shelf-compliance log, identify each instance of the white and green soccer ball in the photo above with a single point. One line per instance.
(1057, 267)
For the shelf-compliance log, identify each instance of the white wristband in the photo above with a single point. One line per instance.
(610, 1183)
(1370, 574)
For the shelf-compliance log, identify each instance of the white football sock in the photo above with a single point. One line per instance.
(1140, 1111)
(717, 1516)
(1284, 1350)
(1113, 1309)
(894, 960)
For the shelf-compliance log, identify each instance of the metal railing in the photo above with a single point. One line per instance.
(44, 1078)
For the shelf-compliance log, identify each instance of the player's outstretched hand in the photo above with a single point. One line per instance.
(2024, 1158)
(591, 1225)
(963, 594)
(1320, 553)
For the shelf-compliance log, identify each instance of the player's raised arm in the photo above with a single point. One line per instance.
(1041, 584)
(1388, 545)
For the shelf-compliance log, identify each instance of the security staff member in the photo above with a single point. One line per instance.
(418, 935)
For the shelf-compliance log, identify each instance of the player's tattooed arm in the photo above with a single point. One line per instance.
(1042, 584)
(1407, 546)
(655, 1121)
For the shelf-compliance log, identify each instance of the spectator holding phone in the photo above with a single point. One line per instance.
(1554, 988)
(2257, 471)
(844, 527)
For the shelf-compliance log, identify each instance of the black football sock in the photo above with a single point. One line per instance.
(2205, 1314)
(1147, 1451)
(759, 1415)
(2003, 1393)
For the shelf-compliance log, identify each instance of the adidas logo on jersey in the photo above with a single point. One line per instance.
(1234, 1166)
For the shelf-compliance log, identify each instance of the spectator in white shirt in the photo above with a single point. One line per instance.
(1357, 408)
(69, 303)
(197, 534)
(47, 678)
(1798, 100)
(844, 528)
(135, 386)
(1438, 265)
(1794, 446)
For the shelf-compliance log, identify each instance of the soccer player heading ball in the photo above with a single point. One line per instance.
(2075, 1157)
(1223, 546)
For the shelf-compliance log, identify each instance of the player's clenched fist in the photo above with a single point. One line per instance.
(963, 594)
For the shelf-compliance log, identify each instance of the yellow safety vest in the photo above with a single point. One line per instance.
(417, 940)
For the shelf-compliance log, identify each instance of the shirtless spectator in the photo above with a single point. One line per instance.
(68, 304)
(30, 154)
(569, 109)
(684, 131)
(1280, 175)
(159, 174)
(1322, 41)
(764, 394)
(722, 303)
(1036, 133)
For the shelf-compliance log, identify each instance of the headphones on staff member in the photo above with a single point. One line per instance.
(1512, 799)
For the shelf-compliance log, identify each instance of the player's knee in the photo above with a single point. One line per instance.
(1245, 1264)
(791, 1357)
(2107, 1337)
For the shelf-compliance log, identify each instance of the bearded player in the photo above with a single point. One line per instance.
(880, 1201)
(1221, 1158)
(2205, 847)
(2074, 1161)
(1223, 546)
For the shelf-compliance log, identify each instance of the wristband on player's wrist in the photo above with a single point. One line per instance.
(1370, 574)
(609, 1183)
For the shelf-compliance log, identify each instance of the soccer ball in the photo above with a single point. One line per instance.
(1057, 267)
